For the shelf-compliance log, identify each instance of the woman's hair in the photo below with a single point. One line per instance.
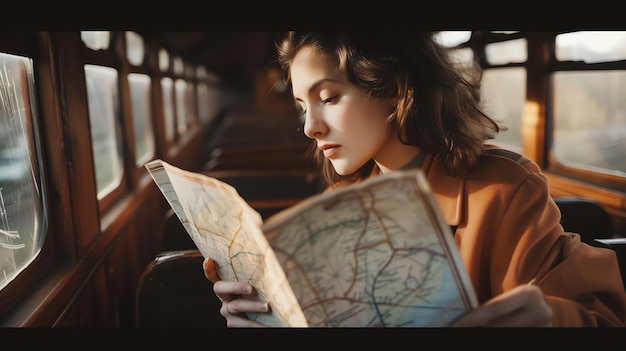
(438, 107)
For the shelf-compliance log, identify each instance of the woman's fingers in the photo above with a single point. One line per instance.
(209, 270)
(234, 307)
(228, 290)
(237, 320)
(241, 305)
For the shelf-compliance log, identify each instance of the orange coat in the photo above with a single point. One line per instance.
(508, 233)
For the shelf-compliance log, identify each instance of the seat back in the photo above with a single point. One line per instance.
(270, 191)
(585, 217)
(592, 222)
(173, 292)
(175, 236)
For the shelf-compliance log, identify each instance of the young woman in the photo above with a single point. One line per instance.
(384, 101)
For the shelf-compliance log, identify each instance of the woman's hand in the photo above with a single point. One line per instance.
(523, 306)
(230, 293)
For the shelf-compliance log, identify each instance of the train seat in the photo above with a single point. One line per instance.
(175, 235)
(173, 292)
(270, 191)
(585, 217)
(593, 223)
(267, 191)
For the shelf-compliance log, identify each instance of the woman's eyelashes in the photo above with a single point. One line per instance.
(326, 101)
(329, 100)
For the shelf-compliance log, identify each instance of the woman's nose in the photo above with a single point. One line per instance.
(314, 126)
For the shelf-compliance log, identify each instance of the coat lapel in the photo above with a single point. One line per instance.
(448, 190)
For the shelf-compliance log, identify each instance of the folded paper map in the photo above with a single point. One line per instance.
(372, 254)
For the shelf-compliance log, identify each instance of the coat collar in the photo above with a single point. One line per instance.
(448, 189)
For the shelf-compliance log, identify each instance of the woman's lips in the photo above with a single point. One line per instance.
(329, 150)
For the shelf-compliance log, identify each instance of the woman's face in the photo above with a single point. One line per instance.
(349, 126)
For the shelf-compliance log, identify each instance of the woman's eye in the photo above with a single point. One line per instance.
(329, 100)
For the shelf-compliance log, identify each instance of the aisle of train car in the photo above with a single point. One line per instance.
(261, 149)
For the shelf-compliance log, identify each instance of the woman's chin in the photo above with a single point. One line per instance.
(342, 168)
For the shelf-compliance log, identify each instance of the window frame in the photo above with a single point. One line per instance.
(45, 135)
(110, 58)
(537, 117)
(148, 68)
(610, 182)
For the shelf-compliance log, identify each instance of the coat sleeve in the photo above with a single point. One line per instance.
(582, 283)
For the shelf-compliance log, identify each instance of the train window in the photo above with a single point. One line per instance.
(96, 40)
(204, 113)
(503, 87)
(178, 66)
(135, 48)
(506, 52)
(591, 46)
(190, 103)
(452, 38)
(213, 100)
(589, 111)
(590, 120)
(104, 116)
(460, 56)
(164, 60)
(180, 86)
(167, 89)
(504, 92)
(22, 205)
(141, 104)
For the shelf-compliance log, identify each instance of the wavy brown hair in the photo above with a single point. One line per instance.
(438, 109)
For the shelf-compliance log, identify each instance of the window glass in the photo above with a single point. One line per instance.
(96, 40)
(591, 46)
(190, 103)
(164, 60)
(503, 92)
(213, 102)
(510, 51)
(590, 120)
(464, 59)
(167, 88)
(22, 205)
(203, 103)
(216, 99)
(178, 66)
(452, 38)
(135, 48)
(141, 104)
(181, 122)
(104, 116)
